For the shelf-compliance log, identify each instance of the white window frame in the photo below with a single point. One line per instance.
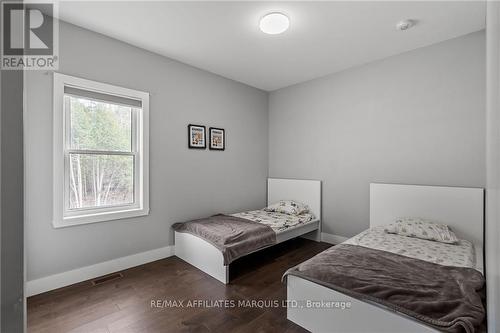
(62, 216)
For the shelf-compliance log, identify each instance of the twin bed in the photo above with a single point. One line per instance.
(391, 283)
(205, 253)
(460, 208)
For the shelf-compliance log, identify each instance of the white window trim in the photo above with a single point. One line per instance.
(141, 207)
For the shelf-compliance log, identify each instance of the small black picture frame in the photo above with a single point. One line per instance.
(197, 137)
(217, 138)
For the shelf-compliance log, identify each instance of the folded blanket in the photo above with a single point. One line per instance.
(448, 298)
(233, 236)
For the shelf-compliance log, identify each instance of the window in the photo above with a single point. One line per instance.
(100, 152)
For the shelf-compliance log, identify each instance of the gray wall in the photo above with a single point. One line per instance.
(415, 118)
(11, 193)
(184, 184)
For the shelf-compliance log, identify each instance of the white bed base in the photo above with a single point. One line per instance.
(460, 208)
(359, 317)
(209, 259)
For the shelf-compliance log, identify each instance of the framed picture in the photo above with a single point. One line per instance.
(217, 138)
(197, 137)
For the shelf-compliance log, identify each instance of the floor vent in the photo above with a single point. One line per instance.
(107, 278)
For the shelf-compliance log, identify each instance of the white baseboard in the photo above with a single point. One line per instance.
(59, 280)
(332, 239)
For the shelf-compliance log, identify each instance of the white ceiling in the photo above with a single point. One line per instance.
(324, 37)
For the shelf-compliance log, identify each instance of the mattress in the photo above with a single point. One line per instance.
(459, 255)
(279, 222)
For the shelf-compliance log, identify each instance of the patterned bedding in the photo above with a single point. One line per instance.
(459, 255)
(279, 222)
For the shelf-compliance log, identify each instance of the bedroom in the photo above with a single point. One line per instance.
(211, 112)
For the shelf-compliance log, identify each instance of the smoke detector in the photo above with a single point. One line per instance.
(405, 25)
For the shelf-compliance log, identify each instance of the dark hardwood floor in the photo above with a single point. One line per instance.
(124, 304)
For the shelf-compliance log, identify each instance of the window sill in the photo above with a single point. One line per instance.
(99, 217)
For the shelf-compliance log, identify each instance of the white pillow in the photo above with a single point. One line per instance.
(290, 207)
(421, 228)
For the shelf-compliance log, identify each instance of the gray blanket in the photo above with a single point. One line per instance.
(448, 298)
(233, 236)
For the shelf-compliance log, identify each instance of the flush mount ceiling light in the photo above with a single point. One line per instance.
(405, 25)
(274, 23)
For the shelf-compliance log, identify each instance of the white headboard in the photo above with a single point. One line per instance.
(461, 208)
(301, 190)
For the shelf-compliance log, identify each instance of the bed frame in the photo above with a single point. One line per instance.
(461, 208)
(209, 259)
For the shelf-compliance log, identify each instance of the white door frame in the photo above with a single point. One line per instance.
(493, 164)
